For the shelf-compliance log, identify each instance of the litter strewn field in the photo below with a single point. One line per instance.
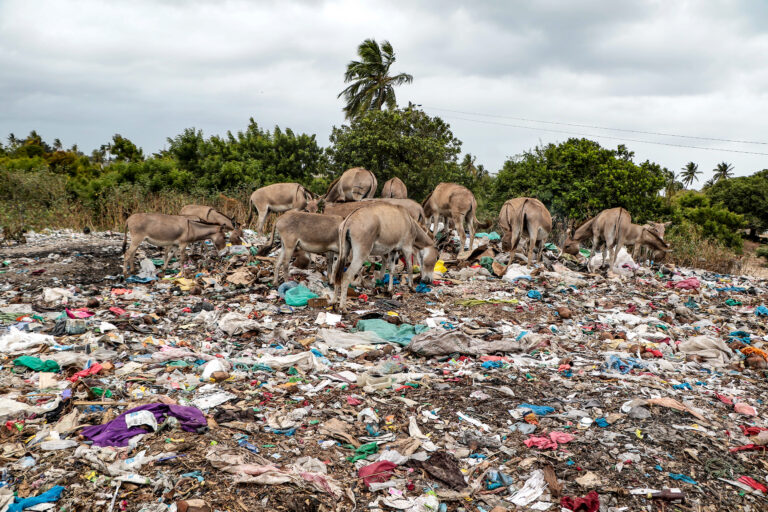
(495, 388)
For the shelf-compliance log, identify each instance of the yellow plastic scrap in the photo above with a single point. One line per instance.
(440, 267)
(184, 283)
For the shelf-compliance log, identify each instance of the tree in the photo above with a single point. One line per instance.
(123, 150)
(578, 178)
(747, 196)
(406, 143)
(672, 185)
(713, 220)
(371, 87)
(690, 174)
(723, 171)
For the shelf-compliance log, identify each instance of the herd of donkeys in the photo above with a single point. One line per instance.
(348, 225)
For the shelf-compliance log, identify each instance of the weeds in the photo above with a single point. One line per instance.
(691, 249)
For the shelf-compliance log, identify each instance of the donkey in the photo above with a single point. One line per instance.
(312, 232)
(394, 189)
(209, 215)
(378, 229)
(278, 197)
(167, 231)
(456, 202)
(609, 226)
(355, 184)
(525, 215)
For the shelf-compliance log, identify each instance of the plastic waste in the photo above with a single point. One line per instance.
(298, 296)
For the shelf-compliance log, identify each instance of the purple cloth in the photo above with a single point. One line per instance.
(117, 433)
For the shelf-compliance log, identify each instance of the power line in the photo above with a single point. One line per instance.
(608, 137)
(599, 127)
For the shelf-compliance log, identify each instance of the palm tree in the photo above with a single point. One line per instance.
(371, 85)
(672, 185)
(690, 174)
(723, 171)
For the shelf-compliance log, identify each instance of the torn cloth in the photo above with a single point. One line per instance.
(589, 503)
(551, 442)
(117, 433)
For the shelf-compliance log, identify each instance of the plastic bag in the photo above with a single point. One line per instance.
(299, 295)
(21, 341)
(401, 334)
(516, 272)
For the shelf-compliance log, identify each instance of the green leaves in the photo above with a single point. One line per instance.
(419, 149)
(371, 85)
(578, 178)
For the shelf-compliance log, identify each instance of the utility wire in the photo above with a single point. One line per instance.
(607, 136)
(599, 127)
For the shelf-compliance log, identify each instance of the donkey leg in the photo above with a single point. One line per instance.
(531, 245)
(458, 224)
(391, 261)
(129, 257)
(408, 255)
(263, 213)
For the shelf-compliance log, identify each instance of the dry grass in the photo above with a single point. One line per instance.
(754, 265)
(691, 249)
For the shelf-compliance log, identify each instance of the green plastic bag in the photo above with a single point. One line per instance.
(487, 263)
(37, 364)
(490, 236)
(299, 295)
(401, 334)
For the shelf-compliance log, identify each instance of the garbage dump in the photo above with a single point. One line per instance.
(495, 388)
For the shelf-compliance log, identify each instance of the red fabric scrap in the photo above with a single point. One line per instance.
(749, 448)
(589, 503)
(753, 484)
(751, 431)
(117, 311)
(544, 443)
(724, 398)
(78, 313)
(691, 283)
(376, 472)
(95, 368)
(353, 401)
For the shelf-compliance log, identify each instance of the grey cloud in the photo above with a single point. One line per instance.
(82, 71)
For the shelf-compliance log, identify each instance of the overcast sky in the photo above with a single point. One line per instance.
(84, 70)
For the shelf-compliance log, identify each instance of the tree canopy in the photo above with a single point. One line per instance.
(747, 196)
(371, 86)
(578, 178)
(406, 143)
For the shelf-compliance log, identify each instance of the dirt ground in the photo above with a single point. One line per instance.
(574, 328)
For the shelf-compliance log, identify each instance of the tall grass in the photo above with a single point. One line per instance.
(39, 199)
(691, 249)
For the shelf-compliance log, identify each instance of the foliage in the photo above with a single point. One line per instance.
(690, 174)
(578, 178)
(747, 196)
(723, 171)
(691, 247)
(371, 86)
(123, 150)
(406, 143)
(254, 157)
(714, 220)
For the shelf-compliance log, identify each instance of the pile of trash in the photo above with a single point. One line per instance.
(497, 387)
